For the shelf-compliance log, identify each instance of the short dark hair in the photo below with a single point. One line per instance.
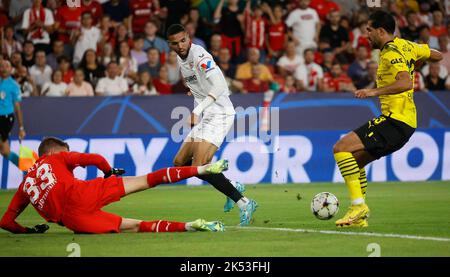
(382, 19)
(49, 143)
(175, 29)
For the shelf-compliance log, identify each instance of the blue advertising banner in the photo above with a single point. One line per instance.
(298, 156)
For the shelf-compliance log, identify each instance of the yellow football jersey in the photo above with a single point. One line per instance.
(396, 56)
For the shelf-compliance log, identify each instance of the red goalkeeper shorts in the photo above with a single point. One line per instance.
(83, 213)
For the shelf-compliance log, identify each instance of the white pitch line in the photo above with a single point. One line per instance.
(364, 234)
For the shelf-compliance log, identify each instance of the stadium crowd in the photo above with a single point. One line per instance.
(118, 47)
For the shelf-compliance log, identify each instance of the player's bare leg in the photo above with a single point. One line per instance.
(185, 154)
(5, 151)
(346, 150)
(203, 153)
(160, 226)
(171, 175)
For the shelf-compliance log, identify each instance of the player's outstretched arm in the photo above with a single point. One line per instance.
(403, 83)
(8, 222)
(435, 56)
(75, 159)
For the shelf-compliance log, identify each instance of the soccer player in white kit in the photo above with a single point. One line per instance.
(209, 88)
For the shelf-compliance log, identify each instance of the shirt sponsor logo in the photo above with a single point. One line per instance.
(191, 79)
(206, 66)
(397, 60)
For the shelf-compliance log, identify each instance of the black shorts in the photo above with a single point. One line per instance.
(384, 135)
(6, 125)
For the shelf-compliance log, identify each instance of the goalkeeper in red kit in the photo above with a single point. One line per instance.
(59, 197)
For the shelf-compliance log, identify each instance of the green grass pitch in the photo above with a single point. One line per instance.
(419, 209)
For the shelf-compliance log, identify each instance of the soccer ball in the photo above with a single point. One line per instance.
(324, 205)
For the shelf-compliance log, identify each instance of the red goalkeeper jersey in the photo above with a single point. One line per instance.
(47, 185)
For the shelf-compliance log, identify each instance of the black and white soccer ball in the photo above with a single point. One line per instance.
(324, 205)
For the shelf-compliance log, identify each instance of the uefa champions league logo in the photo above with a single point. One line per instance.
(74, 3)
(373, 3)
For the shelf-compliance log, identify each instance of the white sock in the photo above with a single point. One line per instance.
(358, 201)
(188, 227)
(241, 203)
(202, 169)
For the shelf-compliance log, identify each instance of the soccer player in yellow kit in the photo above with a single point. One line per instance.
(387, 133)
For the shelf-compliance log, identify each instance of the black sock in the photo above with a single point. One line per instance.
(222, 184)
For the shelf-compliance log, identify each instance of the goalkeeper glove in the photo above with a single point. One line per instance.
(38, 229)
(114, 171)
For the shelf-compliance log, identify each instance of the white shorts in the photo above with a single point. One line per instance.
(212, 128)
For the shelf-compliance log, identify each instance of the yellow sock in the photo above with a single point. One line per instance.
(350, 171)
(363, 181)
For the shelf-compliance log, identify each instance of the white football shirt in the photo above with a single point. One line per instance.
(197, 67)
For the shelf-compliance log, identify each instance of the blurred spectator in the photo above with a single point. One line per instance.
(215, 46)
(95, 8)
(305, 25)
(152, 40)
(410, 32)
(276, 37)
(86, 38)
(112, 84)
(26, 83)
(191, 30)
(127, 64)
(360, 37)
(336, 34)
(425, 37)
(106, 29)
(328, 60)
(16, 61)
(16, 11)
(173, 68)
(438, 27)
(433, 81)
(287, 64)
(314, 80)
(203, 29)
(38, 23)
(161, 83)
(40, 72)
(55, 88)
(79, 87)
(92, 69)
(368, 81)
(301, 77)
(138, 52)
(358, 69)
(172, 11)
(336, 80)
(244, 71)
(324, 7)
(107, 55)
(444, 48)
(68, 21)
(152, 65)
(144, 86)
(289, 85)
(425, 16)
(255, 28)
(57, 52)
(255, 84)
(119, 12)
(224, 63)
(28, 54)
(120, 35)
(9, 43)
(231, 26)
(65, 65)
(399, 17)
(142, 11)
